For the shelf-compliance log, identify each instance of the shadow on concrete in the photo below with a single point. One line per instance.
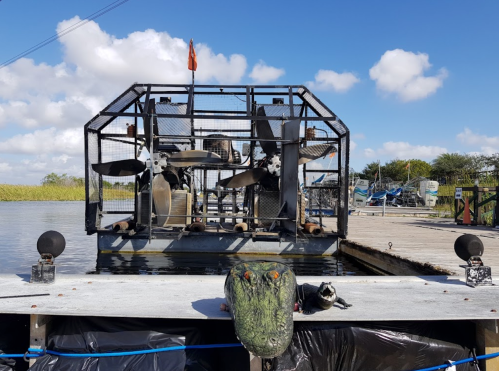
(210, 307)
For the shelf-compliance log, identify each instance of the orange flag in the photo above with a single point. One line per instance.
(192, 63)
(408, 165)
(332, 154)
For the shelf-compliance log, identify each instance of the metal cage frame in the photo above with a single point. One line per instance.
(302, 106)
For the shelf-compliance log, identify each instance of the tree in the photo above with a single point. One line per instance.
(370, 170)
(51, 179)
(492, 161)
(395, 169)
(63, 180)
(419, 168)
(451, 165)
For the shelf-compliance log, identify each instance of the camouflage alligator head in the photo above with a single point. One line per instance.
(261, 298)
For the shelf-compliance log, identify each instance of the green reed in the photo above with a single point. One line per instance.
(9, 192)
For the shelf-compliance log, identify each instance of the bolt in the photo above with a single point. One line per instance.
(33, 306)
(90, 282)
(493, 310)
(426, 283)
(60, 295)
(466, 299)
(74, 288)
(445, 291)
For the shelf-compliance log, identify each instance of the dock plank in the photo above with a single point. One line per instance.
(424, 240)
(199, 297)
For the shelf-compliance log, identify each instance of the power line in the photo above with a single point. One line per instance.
(67, 30)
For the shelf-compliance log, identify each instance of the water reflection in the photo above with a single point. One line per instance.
(218, 264)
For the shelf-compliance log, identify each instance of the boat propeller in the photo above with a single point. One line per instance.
(268, 170)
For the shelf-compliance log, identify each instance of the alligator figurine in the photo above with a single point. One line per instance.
(262, 296)
(310, 297)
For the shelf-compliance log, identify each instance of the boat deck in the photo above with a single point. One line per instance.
(427, 241)
(199, 297)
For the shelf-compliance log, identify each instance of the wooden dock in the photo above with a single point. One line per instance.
(418, 245)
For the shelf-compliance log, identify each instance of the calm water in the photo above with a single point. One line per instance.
(21, 223)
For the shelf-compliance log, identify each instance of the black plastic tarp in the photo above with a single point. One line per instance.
(106, 335)
(14, 339)
(375, 346)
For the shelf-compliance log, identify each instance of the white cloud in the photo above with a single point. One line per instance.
(369, 152)
(96, 68)
(488, 145)
(359, 136)
(62, 159)
(353, 145)
(263, 74)
(5, 167)
(46, 141)
(55, 101)
(402, 73)
(404, 150)
(331, 80)
(315, 165)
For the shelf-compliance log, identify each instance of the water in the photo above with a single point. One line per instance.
(21, 223)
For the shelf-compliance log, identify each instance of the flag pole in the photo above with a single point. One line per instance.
(379, 169)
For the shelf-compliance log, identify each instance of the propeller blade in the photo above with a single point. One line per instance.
(162, 197)
(120, 168)
(194, 157)
(314, 152)
(264, 131)
(244, 179)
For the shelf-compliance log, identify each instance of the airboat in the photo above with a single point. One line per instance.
(216, 168)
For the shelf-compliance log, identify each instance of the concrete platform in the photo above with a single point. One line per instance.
(199, 297)
(429, 242)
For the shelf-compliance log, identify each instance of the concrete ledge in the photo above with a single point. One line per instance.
(386, 298)
(383, 262)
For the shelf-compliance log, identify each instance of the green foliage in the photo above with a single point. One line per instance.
(450, 164)
(420, 168)
(63, 180)
(369, 171)
(456, 166)
(9, 192)
(397, 170)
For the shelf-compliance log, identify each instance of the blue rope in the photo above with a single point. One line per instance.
(41, 352)
(145, 351)
(486, 356)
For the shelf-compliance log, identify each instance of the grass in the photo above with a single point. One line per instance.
(446, 197)
(9, 192)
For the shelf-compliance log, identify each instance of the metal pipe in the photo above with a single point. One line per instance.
(313, 229)
(241, 227)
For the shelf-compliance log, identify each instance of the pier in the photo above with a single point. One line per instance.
(405, 245)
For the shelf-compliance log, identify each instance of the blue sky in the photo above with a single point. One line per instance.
(410, 79)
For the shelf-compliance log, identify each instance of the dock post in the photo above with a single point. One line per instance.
(255, 363)
(487, 339)
(38, 333)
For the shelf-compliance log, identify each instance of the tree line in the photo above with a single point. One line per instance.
(451, 166)
(65, 180)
